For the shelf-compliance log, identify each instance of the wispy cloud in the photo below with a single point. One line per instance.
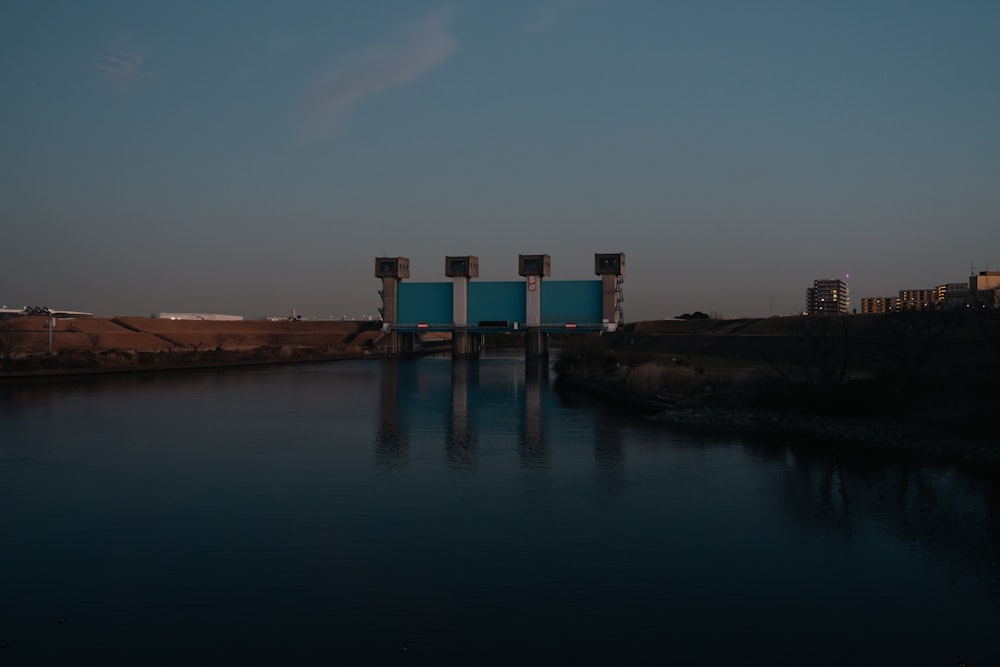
(122, 64)
(415, 50)
(545, 15)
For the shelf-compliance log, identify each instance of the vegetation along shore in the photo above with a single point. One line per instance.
(923, 381)
(100, 345)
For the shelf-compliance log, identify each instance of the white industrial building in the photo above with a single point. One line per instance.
(211, 317)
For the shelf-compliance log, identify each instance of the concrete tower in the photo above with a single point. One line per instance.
(392, 270)
(534, 268)
(611, 268)
(460, 270)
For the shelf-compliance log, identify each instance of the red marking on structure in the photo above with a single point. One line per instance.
(571, 325)
(421, 325)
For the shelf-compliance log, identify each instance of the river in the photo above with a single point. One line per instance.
(425, 512)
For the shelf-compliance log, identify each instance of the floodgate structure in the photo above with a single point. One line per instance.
(533, 307)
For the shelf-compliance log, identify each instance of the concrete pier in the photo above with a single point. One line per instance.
(461, 269)
(465, 345)
(398, 343)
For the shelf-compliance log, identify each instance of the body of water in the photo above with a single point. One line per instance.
(468, 513)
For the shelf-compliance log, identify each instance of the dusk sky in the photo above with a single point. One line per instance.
(253, 157)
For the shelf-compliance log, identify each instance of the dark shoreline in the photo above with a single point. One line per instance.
(858, 434)
(43, 373)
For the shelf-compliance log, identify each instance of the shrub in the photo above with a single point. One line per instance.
(652, 379)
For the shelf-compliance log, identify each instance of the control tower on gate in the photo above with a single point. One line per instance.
(392, 271)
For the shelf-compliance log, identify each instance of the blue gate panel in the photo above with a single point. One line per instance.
(424, 302)
(496, 301)
(562, 301)
(571, 301)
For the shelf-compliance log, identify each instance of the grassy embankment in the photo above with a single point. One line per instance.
(142, 343)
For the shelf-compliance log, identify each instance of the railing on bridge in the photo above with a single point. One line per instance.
(502, 327)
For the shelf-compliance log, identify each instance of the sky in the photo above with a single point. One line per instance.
(253, 157)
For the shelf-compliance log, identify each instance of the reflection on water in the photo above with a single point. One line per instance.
(460, 447)
(534, 449)
(933, 507)
(408, 396)
(609, 457)
(431, 512)
(391, 440)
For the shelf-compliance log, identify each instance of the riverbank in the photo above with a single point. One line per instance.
(192, 365)
(921, 384)
(94, 345)
(902, 437)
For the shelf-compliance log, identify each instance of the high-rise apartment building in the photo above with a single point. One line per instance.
(982, 291)
(986, 280)
(879, 304)
(917, 299)
(943, 291)
(827, 296)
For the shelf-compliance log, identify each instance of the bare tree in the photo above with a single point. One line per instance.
(828, 341)
(11, 341)
(917, 336)
(94, 340)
